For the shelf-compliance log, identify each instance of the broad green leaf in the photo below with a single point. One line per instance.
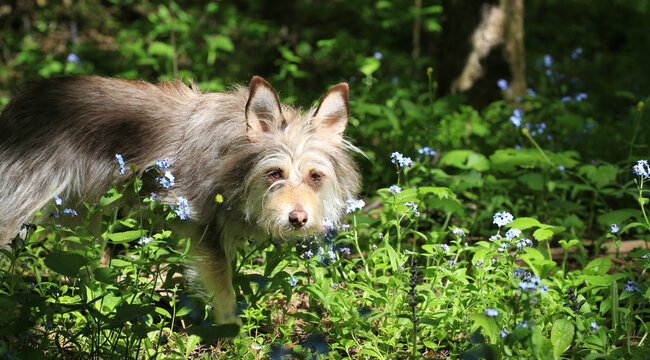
(523, 223)
(65, 263)
(561, 336)
(619, 216)
(489, 325)
(542, 234)
(126, 236)
(598, 266)
(110, 196)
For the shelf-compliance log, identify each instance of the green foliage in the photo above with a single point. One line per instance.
(400, 281)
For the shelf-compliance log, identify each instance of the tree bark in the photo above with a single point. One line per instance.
(483, 41)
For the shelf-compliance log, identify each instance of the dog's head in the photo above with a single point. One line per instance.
(303, 174)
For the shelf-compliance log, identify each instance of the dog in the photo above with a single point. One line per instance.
(281, 172)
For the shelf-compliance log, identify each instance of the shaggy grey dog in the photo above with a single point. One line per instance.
(280, 172)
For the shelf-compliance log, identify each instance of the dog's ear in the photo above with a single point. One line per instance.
(332, 114)
(262, 108)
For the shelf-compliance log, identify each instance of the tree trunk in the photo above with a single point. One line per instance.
(482, 42)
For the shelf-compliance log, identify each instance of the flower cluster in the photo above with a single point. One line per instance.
(57, 200)
(395, 189)
(162, 165)
(491, 312)
(353, 205)
(533, 284)
(167, 180)
(513, 233)
(401, 160)
(411, 205)
(145, 240)
(631, 286)
(523, 242)
(502, 219)
(502, 84)
(458, 232)
(120, 162)
(426, 151)
(642, 169)
(70, 211)
(182, 208)
(517, 116)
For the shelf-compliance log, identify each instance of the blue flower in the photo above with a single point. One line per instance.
(576, 53)
(491, 312)
(167, 180)
(631, 286)
(531, 92)
(162, 165)
(120, 161)
(548, 60)
(57, 200)
(377, 55)
(395, 189)
(426, 151)
(502, 84)
(445, 248)
(308, 254)
(561, 167)
(292, 281)
(328, 224)
(523, 324)
(145, 240)
(594, 326)
(70, 211)
(345, 250)
(641, 168)
(411, 205)
(519, 273)
(614, 228)
(513, 233)
(452, 263)
(459, 232)
(565, 98)
(516, 117)
(73, 58)
(502, 219)
(182, 208)
(523, 242)
(353, 205)
(496, 237)
(401, 160)
(503, 333)
(581, 96)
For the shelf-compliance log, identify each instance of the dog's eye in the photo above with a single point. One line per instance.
(276, 174)
(315, 177)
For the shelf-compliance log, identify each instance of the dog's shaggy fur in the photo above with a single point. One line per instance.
(280, 172)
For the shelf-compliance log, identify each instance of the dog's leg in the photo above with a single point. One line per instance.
(212, 268)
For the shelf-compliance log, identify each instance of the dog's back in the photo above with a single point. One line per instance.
(60, 137)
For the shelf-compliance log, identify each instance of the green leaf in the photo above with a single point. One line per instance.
(619, 216)
(109, 197)
(465, 159)
(105, 275)
(65, 263)
(598, 266)
(158, 48)
(542, 234)
(126, 236)
(369, 66)
(489, 325)
(523, 223)
(561, 336)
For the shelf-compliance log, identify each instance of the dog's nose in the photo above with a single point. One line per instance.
(298, 218)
